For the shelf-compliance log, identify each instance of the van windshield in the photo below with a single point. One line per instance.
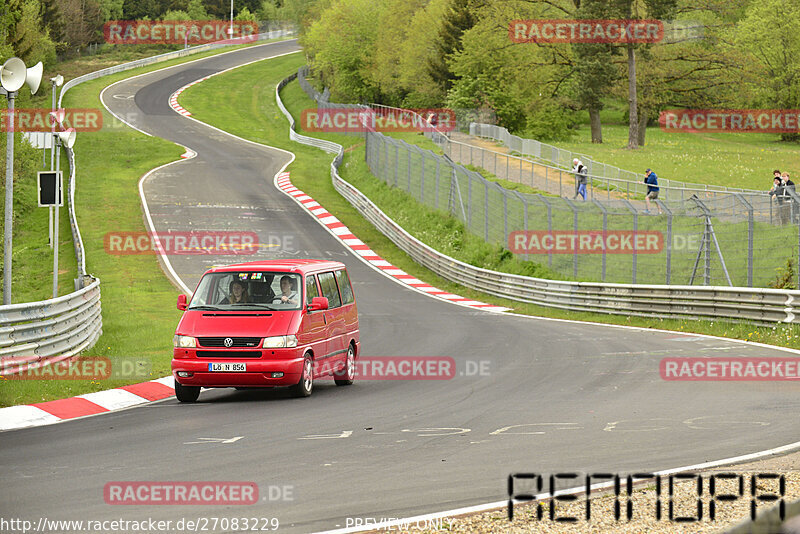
(257, 290)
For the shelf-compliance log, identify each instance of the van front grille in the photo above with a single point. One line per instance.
(238, 342)
(228, 354)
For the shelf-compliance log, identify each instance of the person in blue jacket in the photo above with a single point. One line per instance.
(651, 180)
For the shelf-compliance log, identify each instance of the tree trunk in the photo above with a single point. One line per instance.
(597, 128)
(642, 126)
(633, 124)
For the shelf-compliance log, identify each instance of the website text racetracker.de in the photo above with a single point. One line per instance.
(585, 242)
(199, 524)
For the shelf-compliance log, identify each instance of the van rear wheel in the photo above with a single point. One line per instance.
(346, 375)
(186, 393)
(305, 385)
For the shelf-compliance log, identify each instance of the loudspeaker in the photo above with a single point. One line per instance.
(12, 76)
(67, 137)
(33, 77)
(59, 80)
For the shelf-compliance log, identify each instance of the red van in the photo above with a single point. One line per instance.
(267, 323)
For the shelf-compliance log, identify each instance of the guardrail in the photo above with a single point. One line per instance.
(758, 306)
(34, 334)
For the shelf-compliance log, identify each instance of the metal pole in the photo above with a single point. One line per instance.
(230, 32)
(55, 226)
(52, 162)
(9, 215)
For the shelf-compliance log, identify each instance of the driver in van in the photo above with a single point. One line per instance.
(288, 291)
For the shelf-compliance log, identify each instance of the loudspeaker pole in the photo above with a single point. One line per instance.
(9, 213)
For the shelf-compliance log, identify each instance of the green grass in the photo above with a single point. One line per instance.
(743, 160)
(138, 302)
(253, 114)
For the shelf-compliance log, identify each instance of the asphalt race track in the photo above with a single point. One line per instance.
(554, 396)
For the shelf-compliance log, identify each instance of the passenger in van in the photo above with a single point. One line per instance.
(288, 291)
(238, 293)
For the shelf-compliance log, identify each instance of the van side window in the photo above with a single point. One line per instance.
(344, 286)
(311, 288)
(329, 289)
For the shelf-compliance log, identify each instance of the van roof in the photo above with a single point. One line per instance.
(293, 265)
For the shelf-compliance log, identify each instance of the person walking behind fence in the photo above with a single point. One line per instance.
(651, 180)
(581, 179)
(779, 192)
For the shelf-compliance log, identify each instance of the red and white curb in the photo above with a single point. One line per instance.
(46, 413)
(173, 99)
(357, 246)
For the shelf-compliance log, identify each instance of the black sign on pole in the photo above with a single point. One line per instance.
(49, 186)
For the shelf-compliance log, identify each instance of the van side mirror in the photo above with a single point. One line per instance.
(318, 303)
(182, 302)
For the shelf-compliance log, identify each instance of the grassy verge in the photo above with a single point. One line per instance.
(139, 313)
(253, 114)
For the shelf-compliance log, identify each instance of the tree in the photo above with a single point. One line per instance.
(196, 10)
(457, 19)
(83, 22)
(340, 44)
(768, 35)
(595, 73)
(139, 9)
(29, 41)
(111, 9)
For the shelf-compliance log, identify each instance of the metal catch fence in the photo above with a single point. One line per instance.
(686, 237)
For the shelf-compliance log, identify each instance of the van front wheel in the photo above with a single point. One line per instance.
(305, 386)
(346, 375)
(186, 393)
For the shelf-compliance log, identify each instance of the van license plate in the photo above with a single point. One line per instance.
(227, 367)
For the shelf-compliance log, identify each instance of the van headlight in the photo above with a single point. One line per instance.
(280, 342)
(184, 342)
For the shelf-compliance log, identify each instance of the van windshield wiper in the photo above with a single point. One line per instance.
(208, 308)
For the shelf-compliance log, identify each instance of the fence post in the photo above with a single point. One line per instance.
(524, 217)
(422, 177)
(605, 231)
(438, 164)
(486, 211)
(408, 186)
(469, 201)
(668, 240)
(750, 230)
(543, 200)
(575, 230)
(635, 213)
(396, 162)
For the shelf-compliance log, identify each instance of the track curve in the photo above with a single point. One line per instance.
(558, 396)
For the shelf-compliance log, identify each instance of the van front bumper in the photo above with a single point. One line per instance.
(258, 374)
